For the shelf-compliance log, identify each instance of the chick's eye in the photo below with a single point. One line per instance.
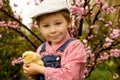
(24, 56)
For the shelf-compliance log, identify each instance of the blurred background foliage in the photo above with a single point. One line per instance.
(13, 44)
(104, 70)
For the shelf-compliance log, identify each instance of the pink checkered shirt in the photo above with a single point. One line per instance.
(73, 61)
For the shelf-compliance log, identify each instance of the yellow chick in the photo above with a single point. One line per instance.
(32, 57)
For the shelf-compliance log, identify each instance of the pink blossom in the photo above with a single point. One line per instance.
(85, 41)
(98, 59)
(104, 7)
(88, 50)
(115, 76)
(17, 61)
(86, 71)
(108, 9)
(22, 38)
(90, 37)
(93, 15)
(74, 9)
(34, 25)
(0, 35)
(107, 25)
(106, 45)
(99, 2)
(115, 52)
(2, 23)
(17, 16)
(115, 33)
(93, 26)
(14, 62)
(112, 9)
(15, 5)
(92, 55)
(77, 11)
(108, 40)
(105, 56)
(1, 3)
(77, 2)
(13, 24)
(80, 4)
(101, 19)
(92, 64)
(82, 11)
(72, 30)
(110, 22)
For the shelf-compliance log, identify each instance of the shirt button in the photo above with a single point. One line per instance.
(48, 78)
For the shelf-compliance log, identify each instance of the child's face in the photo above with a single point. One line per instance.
(54, 27)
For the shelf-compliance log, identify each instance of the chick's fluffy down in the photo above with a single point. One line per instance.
(32, 57)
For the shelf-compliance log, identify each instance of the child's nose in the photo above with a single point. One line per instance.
(52, 30)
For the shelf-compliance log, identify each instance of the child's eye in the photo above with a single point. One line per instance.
(45, 26)
(58, 23)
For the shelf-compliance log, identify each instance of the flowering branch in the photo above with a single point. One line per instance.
(97, 42)
(5, 12)
(14, 26)
(97, 54)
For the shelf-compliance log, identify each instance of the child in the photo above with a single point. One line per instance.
(68, 54)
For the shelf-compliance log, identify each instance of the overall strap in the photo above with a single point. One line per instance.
(43, 47)
(62, 48)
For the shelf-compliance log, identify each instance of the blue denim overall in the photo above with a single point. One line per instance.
(52, 60)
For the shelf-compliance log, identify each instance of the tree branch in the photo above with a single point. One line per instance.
(22, 34)
(9, 15)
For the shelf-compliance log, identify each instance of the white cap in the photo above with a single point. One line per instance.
(48, 6)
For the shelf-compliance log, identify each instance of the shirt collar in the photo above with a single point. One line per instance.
(58, 45)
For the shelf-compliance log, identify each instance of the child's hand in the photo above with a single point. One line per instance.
(32, 69)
